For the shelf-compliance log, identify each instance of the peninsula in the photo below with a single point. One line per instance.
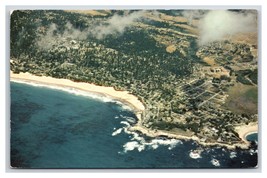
(150, 60)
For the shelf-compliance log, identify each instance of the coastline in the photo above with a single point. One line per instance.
(132, 101)
(245, 130)
(159, 133)
(121, 96)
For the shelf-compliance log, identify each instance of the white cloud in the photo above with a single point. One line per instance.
(116, 24)
(218, 24)
(193, 14)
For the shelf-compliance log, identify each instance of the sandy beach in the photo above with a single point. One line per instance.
(122, 96)
(132, 101)
(245, 130)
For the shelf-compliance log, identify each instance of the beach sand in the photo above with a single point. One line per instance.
(122, 96)
(132, 101)
(245, 130)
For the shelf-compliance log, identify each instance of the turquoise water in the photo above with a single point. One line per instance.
(57, 129)
(252, 137)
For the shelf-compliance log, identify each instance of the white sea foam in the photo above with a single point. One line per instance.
(141, 147)
(215, 162)
(154, 146)
(141, 143)
(135, 136)
(78, 92)
(125, 123)
(171, 146)
(70, 90)
(233, 154)
(195, 154)
(138, 142)
(125, 107)
(122, 105)
(130, 119)
(252, 152)
(29, 83)
(171, 142)
(129, 146)
(116, 132)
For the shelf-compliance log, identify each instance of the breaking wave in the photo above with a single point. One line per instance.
(116, 132)
(233, 154)
(141, 144)
(75, 91)
(138, 142)
(130, 146)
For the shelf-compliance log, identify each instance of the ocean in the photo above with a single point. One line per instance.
(52, 128)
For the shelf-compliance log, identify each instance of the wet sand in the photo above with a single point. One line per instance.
(122, 96)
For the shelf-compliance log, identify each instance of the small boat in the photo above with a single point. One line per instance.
(215, 162)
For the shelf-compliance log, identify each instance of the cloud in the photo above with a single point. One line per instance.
(213, 25)
(73, 33)
(52, 37)
(218, 24)
(116, 24)
(46, 41)
(192, 14)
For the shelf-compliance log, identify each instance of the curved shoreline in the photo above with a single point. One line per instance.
(250, 133)
(132, 101)
(245, 130)
(121, 96)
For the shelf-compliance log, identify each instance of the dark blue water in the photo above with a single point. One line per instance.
(252, 137)
(55, 129)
